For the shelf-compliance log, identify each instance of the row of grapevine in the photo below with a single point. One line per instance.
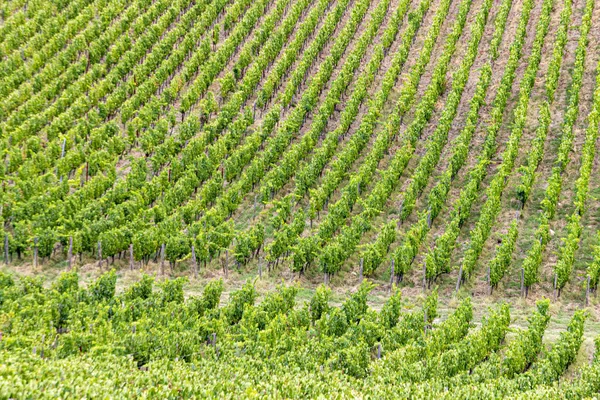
(406, 252)
(438, 259)
(566, 254)
(533, 260)
(156, 191)
(113, 82)
(280, 175)
(67, 163)
(339, 168)
(491, 208)
(593, 270)
(20, 70)
(22, 33)
(310, 96)
(227, 202)
(54, 80)
(504, 253)
(282, 243)
(56, 30)
(375, 201)
(307, 176)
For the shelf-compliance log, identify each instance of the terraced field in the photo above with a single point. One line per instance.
(434, 145)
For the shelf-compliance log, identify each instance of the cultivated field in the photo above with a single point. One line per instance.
(446, 149)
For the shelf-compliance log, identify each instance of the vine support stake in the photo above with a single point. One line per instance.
(489, 279)
(424, 276)
(194, 263)
(361, 271)
(70, 253)
(587, 292)
(459, 279)
(555, 279)
(100, 254)
(162, 259)
(35, 252)
(429, 219)
(6, 255)
(131, 257)
(392, 275)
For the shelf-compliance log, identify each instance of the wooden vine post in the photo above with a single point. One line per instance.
(99, 254)
(458, 280)
(361, 271)
(424, 276)
(587, 292)
(35, 252)
(162, 259)
(70, 253)
(194, 263)
(131, 260)
(6, 255)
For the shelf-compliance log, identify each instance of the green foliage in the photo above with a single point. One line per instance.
(103, 288)
(141, 289)
(390, 313)
(6, 280)
(319, 303)
(61, 338)
(67, 282)
(238, 301)
(172, 290)
(356, 305)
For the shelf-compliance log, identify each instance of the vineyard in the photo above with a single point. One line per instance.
(418, 146)
(151, 343)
